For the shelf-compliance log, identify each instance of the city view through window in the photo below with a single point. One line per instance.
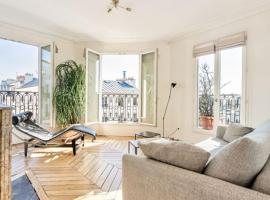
(120, 83)
(19, 76)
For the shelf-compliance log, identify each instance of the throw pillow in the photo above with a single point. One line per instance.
(262, 181)
(177, 153)
(235, 131)
(220, 132)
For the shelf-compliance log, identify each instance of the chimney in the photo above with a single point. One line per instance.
(124, 75)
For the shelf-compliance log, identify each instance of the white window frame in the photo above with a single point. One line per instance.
(217, 63)
(99, 86)
(155, 51)
(139, 99)
(53, 113)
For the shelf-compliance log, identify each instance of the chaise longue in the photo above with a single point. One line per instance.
(43, 138)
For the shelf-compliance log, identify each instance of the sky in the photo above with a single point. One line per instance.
(114, 65)
(17, 58)
(231, 69)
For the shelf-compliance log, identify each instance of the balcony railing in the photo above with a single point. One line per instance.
(21, 101)
(120, 108)
(229, 108)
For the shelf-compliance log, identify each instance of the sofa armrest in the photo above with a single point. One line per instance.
(221, 131)
(148, 179)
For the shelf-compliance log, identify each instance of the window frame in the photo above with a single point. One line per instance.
(155, 51)
(217, 76)
(139, 53)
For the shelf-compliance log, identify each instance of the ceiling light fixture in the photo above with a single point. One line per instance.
(115, 4)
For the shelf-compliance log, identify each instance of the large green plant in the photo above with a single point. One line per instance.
(206, 84)
(69, 93)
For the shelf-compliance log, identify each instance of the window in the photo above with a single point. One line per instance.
(220, 83)
(121, 88)
(46, 85)
(205, 91)
(230, 92)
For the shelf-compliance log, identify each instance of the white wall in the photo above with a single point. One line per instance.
(183, 71)
(163, 81)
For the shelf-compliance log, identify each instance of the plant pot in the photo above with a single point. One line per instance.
(206, 122)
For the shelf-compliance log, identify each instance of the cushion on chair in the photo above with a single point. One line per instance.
(21, 117)
(240, 161)
(176, 153)
(235, 131)
(262, 182)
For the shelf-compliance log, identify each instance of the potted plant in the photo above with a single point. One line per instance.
(206, 101)
(69, 93)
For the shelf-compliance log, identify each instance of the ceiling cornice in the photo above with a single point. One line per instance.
(214, 24)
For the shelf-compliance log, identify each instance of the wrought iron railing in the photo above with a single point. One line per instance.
(121, 108)
(229, 108)
(21, 101)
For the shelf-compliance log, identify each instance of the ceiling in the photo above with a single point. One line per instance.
(87, 20)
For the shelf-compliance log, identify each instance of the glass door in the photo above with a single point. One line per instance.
(46, 85)
(148, 74)
(92, 86)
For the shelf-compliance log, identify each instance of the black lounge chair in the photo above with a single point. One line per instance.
(43, 138)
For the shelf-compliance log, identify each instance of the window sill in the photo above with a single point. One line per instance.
(203, 131)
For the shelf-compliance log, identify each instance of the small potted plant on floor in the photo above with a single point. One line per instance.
(206, 101)
(69, 93)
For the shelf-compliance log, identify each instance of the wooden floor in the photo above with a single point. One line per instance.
(94, 173)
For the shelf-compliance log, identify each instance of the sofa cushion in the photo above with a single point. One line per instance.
(240, 161)
(176, 153)
(235, 131)
(212, 145)
(262, 181)
(220, 132)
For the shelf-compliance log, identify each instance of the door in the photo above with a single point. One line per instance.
(46, 83)
(93, 86)
(148, 85)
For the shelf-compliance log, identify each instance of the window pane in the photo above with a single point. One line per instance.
(148, 93)
(205, 98)
(46, 86)
(93, 87)
(230, 85)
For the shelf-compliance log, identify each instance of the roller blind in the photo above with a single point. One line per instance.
(230, 41)
(204, 49)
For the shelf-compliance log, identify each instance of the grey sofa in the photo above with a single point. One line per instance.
(147, 179)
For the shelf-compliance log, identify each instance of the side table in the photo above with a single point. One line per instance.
(147, 134)
(135, 144)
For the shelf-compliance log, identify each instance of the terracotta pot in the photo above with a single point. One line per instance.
(206, 122)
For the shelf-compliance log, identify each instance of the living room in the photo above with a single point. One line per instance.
(178, 34)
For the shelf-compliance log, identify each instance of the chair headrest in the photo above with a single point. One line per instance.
(21, 117)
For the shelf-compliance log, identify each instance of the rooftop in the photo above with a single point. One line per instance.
(118, 87)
